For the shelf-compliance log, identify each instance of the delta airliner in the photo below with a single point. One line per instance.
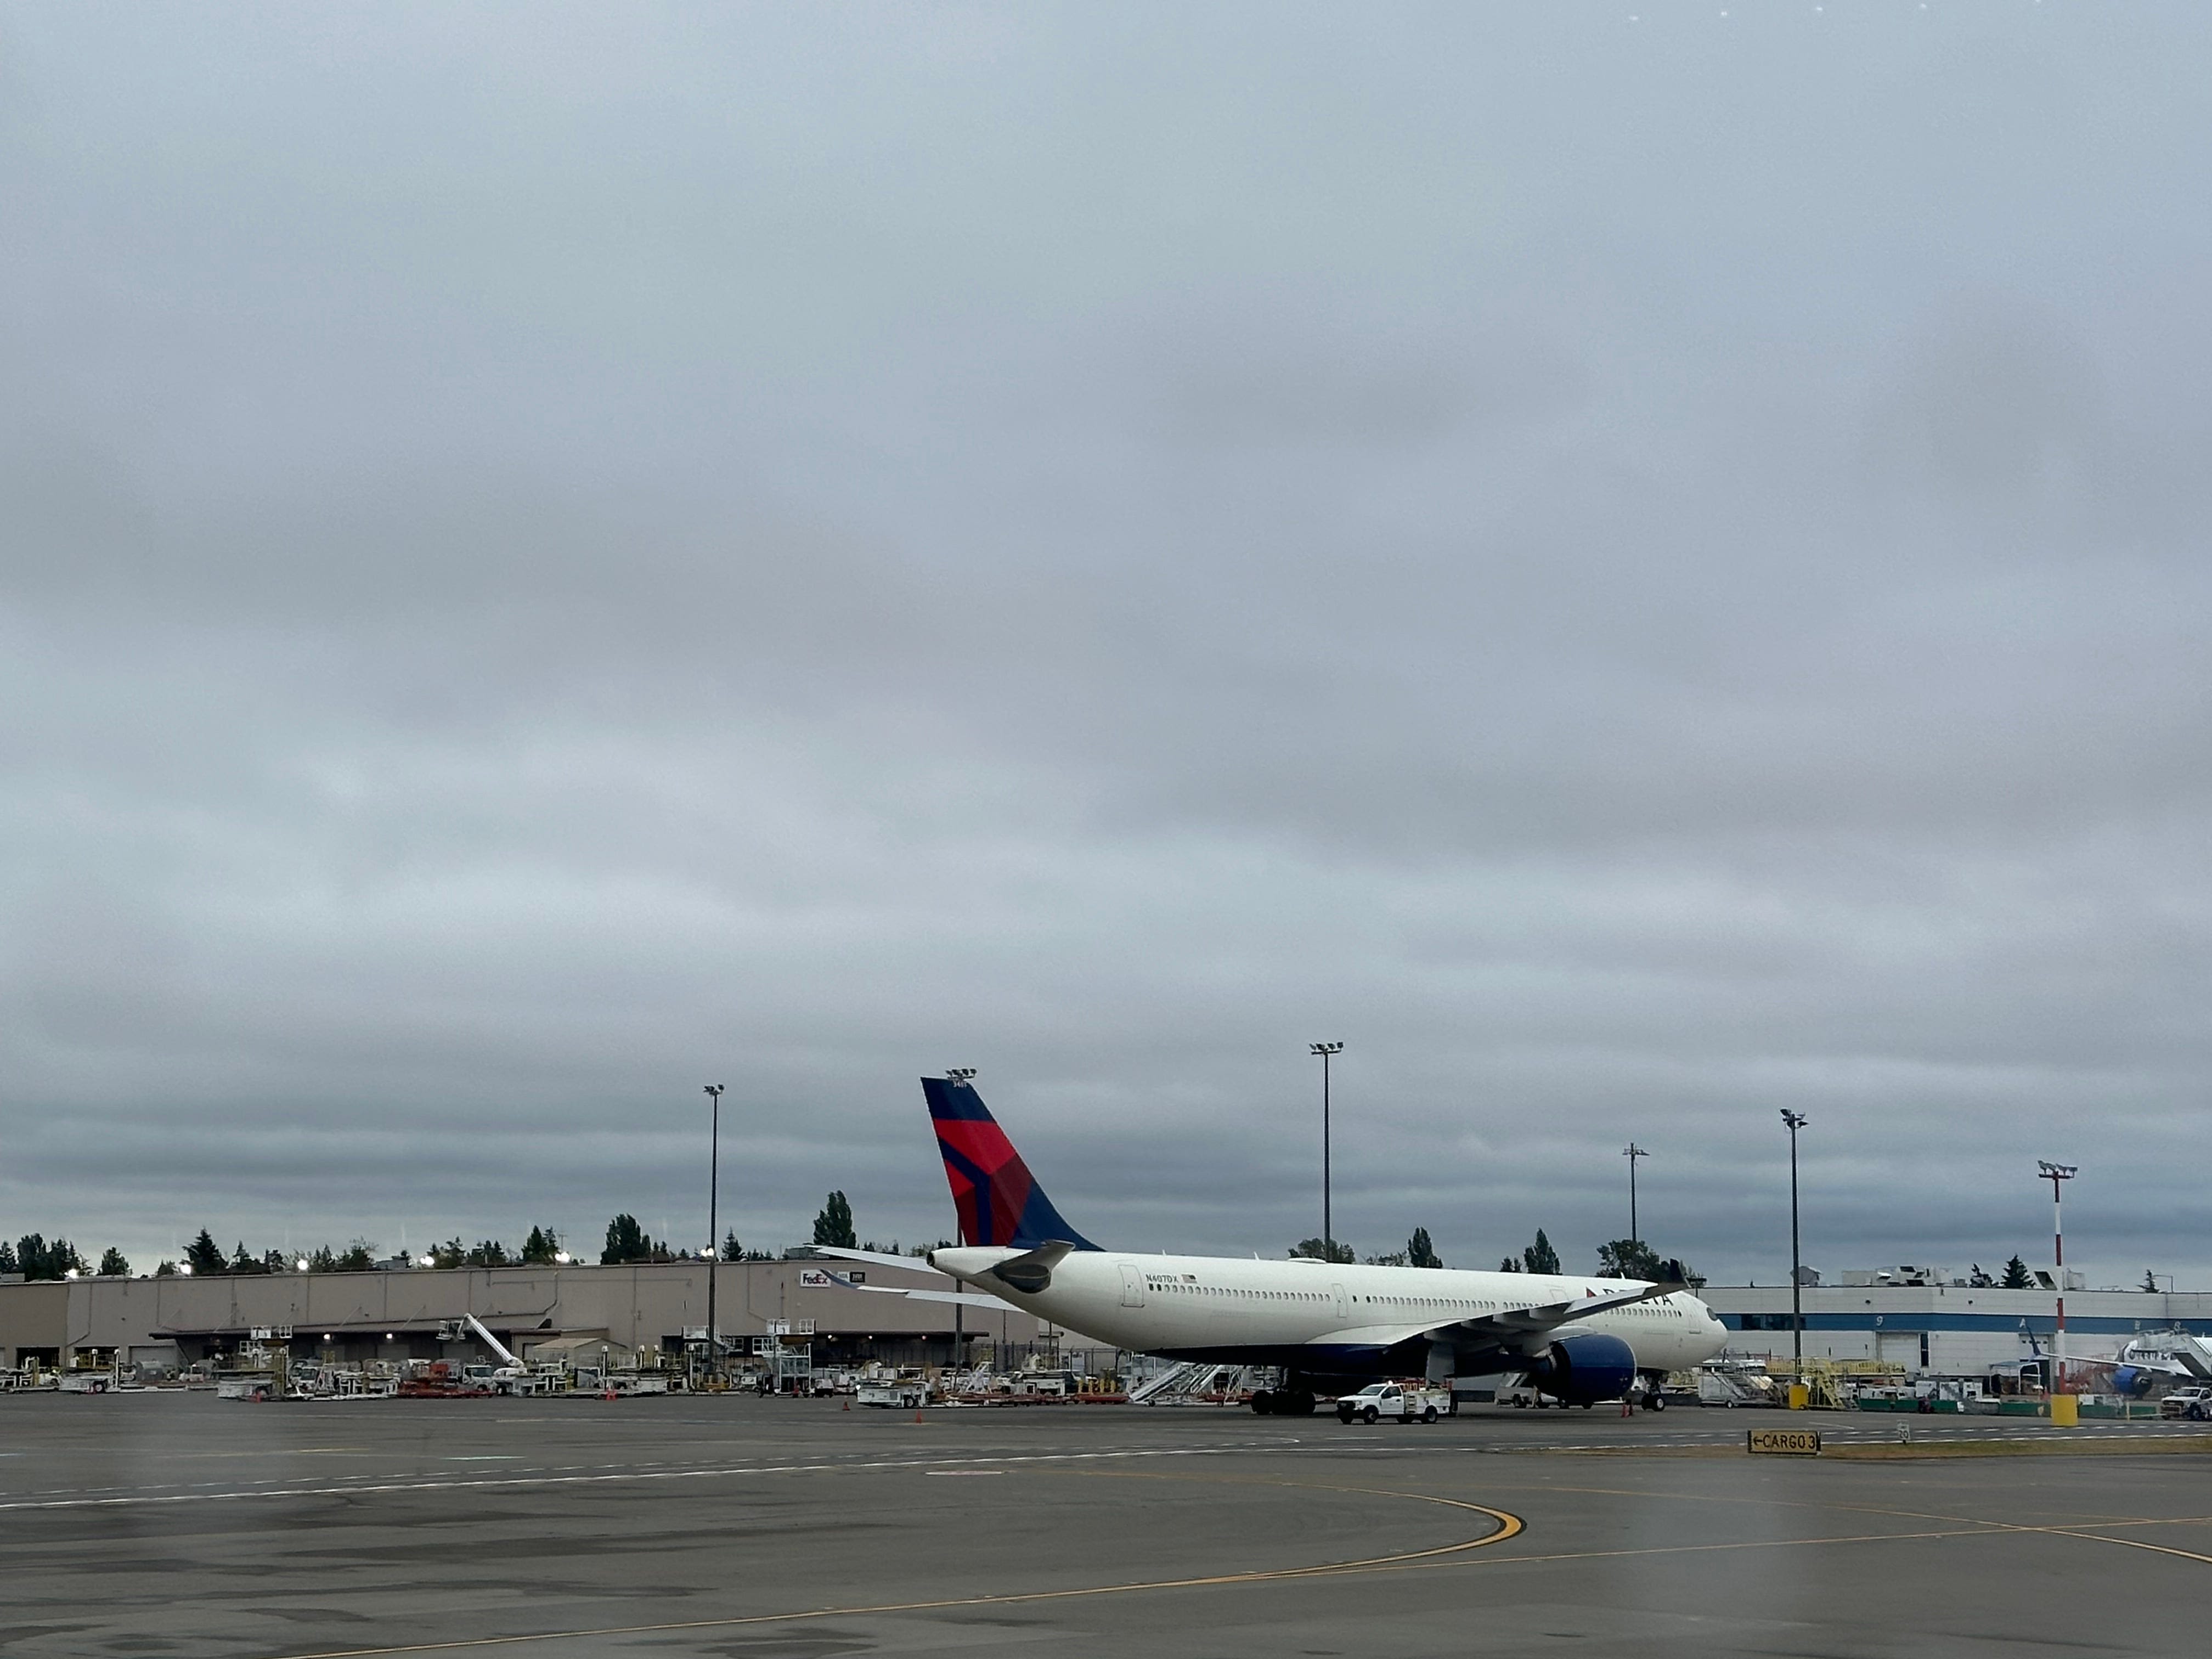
(1329, 1327)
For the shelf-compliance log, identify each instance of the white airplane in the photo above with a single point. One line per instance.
(2173, 1358)
(1330, 1327)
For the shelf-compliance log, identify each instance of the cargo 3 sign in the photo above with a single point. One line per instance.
(1789, 1443)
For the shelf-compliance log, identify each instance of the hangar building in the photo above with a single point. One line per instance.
(397, 1314)
(1949, 1329)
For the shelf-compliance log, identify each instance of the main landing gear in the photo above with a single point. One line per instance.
(1293, 1400)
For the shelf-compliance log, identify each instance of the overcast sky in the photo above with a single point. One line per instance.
(1637, 565)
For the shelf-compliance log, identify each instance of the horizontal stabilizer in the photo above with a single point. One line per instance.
(963, 1297)
(913, 1264)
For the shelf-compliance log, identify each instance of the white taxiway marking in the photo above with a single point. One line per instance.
(575, 1480)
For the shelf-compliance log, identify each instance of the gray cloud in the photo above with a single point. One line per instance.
(1636, 574)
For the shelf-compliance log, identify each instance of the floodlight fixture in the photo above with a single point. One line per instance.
(960, 1076)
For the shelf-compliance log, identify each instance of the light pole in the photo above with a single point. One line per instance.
(1797, 1120)
(714, 1226)
(2055, 1173)
(960, 1077)
(1632, 1152)
(1327, 1051)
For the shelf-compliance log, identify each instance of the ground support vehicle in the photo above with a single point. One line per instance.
(2194, 1404)
(908, 1391)
(1408, 1402)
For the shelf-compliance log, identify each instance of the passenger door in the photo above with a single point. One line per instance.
(1133, 1285)
(1343, 1307)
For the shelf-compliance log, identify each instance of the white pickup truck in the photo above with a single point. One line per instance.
(1409, 1402)
(2194, 1404)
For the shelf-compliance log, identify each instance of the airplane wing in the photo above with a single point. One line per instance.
(907, 1264)
(1550, 1315)
(1511, 1330)
(2157, 1364)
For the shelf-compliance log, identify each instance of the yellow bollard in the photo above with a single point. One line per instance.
(1799, 1394)
(2065, 1411)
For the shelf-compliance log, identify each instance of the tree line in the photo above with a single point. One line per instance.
(1624, 1258)
(626, 1242)
(36, 1257)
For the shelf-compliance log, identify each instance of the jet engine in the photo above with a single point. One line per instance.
(1584, 1370)
(2131, 1381)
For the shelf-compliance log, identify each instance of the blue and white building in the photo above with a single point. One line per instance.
(1949, 1328)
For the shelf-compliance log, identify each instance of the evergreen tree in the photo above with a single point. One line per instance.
(540, 1248)
(2016, 1276)
(8, 1262)
(1509, 1266)
(489, 1253)
(835, 1224)
(276, 1261)
(1539, 1257)
(359, 1257)
(113, 1264)
(1419, 1253)
(1628, 1258)
(731, 1250)
(324, 1261)
(2150, 1281)
(626, 1242)
(167, 1270)
(205, 1256)
(37, 1259)
(242, 1263)
(1339, 1251)
(1980, 1280)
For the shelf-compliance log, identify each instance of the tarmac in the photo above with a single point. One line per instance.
(747, 1528)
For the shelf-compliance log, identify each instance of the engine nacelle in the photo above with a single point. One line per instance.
(1582, 1371)
(2132, 1382)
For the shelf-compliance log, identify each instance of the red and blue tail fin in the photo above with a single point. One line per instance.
(998, 1199)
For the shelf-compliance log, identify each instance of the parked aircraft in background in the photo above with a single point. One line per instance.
(1331, 1327)
(2169, 1357)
